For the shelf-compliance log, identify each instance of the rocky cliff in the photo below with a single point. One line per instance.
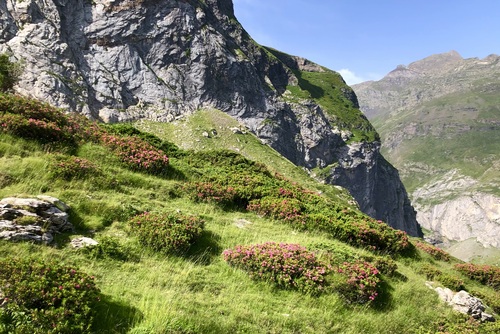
(439, 119)
(123, 60)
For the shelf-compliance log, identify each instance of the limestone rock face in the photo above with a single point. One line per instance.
(365, 172)
(471, 216)
(123, 60)
(34, 219)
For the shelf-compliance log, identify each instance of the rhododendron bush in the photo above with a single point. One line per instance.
(485, 274)
(166, 232)
(43, 297)
(38, 121)
(292, 266)
(435, 252)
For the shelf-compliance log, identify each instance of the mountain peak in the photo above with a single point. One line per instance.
(437, 62)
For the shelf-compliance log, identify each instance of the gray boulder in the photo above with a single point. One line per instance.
(32, 219)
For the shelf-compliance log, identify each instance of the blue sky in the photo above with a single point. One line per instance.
(366, 39)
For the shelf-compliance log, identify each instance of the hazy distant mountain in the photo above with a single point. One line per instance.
(439, 119)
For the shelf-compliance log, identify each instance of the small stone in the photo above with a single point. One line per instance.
(83, 242)
(236, 130)
(487, 317)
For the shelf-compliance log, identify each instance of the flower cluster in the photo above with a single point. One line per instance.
(137, 153)
(288, 210)
(31, 128)
(166, 232)
(485, 274)
(70, 167)
(435, 252)
(277, 198)
(31, 119)
(288, 266)
(211, 192)
(358, 281)
(48, 297)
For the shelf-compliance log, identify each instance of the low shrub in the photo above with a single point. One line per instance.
(70, 167)
(136, 153)
(359, 230)
(357, 282)
(451, 282)
(45, 297)
(288, 266)
(433, 251)
(108, 248)
(232, 181)
(9, 73)
(485, 274)
(124, 129)
(447, 280)
(40, 130)
(211, 192)
(429, 271)
(286, 209)
(384, 264)
(166, 232)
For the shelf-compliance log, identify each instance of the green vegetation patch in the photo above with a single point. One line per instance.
(45, 297)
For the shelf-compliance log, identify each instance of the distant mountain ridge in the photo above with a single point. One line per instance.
(439, 119)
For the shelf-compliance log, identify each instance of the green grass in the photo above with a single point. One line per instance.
(197, 292)
(188, 134)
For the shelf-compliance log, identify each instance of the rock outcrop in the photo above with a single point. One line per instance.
(123, 60)
(476, 216)
(33, 219)
(464, 303)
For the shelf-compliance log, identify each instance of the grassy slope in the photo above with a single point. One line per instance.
(199, 292)
(188, 134)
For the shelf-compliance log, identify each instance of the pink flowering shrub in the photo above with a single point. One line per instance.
(435, 252)
(70, 167)
(286, 209)
(288, 266)
(357, 281)
(39, 121)
(41, 297)
(485, 274)
(31, 128)
(166, 232)
(211, 192)
(136, 153)
(31, 119)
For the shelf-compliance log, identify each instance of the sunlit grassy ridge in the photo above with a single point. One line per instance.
(197, 291)
(328, 89)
